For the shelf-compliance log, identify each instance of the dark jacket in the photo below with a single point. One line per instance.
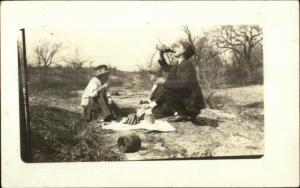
(182, 83)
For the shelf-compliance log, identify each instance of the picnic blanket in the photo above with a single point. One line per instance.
(159, 125)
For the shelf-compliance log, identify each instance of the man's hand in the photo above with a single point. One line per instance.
(109, 100)
(132, 119)
(160, 80)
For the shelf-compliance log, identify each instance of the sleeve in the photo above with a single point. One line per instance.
(164, 65)
(92, 88)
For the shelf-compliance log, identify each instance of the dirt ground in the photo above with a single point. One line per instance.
(235, 128)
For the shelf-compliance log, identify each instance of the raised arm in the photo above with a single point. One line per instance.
(94, 87)
(162, 61)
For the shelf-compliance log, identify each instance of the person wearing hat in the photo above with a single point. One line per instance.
(96, 101)
(181, 90)
(179, 93)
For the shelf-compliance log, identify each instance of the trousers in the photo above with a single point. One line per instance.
(169, 102)
(98, 108)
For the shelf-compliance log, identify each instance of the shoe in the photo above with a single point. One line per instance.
(110, 118)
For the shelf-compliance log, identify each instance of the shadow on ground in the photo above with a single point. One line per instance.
(204, 121)
(254, 105)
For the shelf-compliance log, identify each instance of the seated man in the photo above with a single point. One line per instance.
(96, 102)
(180, 92)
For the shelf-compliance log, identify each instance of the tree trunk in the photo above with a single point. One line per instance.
(249, 75)
(45, 75)
(249, 67)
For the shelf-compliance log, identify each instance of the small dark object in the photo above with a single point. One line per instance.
(116, 93)
(129, 143)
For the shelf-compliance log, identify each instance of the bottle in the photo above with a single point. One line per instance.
(164, 48)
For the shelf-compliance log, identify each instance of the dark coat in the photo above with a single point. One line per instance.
(181, 83)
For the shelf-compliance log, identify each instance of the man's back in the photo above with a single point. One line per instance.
(181, 76)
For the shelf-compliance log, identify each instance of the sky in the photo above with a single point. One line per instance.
(123, 34)
(125, 47)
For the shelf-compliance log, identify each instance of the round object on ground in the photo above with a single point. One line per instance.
(129, 143)
(149, 118)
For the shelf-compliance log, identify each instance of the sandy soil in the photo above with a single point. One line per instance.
(235, 129)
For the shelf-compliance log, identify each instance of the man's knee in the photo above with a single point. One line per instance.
(87, 113)
(163, 110)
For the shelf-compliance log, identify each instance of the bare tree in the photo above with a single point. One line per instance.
(76, 61)
(188, 33)
(45, 55)
(241, 41)
(150, 63)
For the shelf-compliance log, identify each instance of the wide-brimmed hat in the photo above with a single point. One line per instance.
(102, 67)
(104, 73)
(188, 47)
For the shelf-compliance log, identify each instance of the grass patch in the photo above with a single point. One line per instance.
(59, 135)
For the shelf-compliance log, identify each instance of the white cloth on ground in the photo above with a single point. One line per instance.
(159, 125)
